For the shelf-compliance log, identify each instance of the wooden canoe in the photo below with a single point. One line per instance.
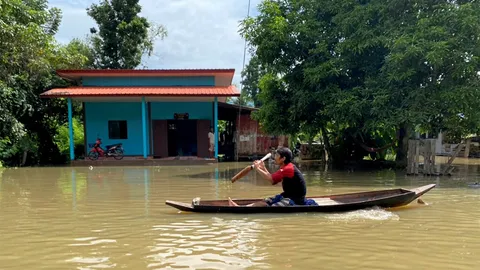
(329, 203)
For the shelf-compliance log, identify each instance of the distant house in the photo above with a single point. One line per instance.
(154, 113)
(160, 114)
(243, 137)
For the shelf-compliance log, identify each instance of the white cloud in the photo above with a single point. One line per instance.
(201, 33)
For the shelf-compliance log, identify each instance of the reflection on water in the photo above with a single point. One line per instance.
(217, 243)
(67, 218)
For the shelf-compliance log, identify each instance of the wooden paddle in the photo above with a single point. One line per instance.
(247, 169)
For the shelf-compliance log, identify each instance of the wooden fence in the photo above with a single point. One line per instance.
(427, 149)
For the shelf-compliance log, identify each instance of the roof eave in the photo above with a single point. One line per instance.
(77, 74)
(146, 95)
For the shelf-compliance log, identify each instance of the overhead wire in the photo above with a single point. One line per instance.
(241, 88)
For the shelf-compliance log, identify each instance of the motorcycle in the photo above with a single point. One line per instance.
(114, 150)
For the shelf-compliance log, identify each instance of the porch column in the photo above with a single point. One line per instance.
(215, 123)
(70, 129)
(144, 127)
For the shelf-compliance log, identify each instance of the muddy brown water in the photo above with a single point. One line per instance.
(112, 218)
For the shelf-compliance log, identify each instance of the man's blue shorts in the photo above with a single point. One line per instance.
(279, 200)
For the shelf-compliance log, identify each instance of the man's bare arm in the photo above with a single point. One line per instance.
(260, 168)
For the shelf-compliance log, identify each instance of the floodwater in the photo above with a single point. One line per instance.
(100, 218)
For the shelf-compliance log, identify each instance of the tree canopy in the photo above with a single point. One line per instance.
(368, 66)
(29, 56)
(35, 130)
(123, 37)
(250, 79)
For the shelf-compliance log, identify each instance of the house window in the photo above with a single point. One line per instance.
(117, 129)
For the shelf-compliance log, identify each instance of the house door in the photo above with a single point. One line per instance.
(203, 127)
(182, 138)
(160, 138)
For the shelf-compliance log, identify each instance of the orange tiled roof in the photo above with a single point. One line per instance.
(206, 91)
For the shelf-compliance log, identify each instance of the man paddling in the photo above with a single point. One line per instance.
(294, 188)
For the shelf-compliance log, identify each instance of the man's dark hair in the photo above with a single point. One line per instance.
(286, 153)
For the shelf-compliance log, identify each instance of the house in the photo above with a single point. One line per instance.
(242, 137)
(153, 113)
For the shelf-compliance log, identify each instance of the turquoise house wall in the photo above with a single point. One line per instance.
(149, 81)
(99, 113)
(195, 110)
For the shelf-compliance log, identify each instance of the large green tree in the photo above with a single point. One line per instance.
(368, 66)
(250, 80)
(29, 56)
(123, 37)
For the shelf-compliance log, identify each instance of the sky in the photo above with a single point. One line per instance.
(201, 33)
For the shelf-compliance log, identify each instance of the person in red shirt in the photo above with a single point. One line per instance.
(293, 183)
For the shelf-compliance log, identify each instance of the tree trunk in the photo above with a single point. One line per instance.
(326, 144)
(24, 158)
(47, 152)
(403, 135)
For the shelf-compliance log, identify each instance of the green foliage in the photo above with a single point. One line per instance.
(375, 66)
(62, 138)
(222, 126)
(250, 80)
(11, 149)
(123, 37)
(82, 47)
(275, 114)
(242, 100)
(29, 56)
(31, 129)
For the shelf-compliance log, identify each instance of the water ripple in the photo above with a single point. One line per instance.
(214, 244)
(49, 220)
(94, 241)
(365, 214)
(92, 262)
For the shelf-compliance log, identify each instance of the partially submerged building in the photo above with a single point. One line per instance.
(160, 114)
(243, 137)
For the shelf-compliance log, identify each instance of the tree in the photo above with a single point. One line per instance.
(243, 100)
(368, 66)
(123, 37)
(29, 56)
(251, 78)
(282, 36)
(62, 138)
(82, 47)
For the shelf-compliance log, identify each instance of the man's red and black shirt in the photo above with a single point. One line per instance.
(293, 183)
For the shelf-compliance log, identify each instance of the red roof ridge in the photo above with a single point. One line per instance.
(146, 70)
(77, 74)
(147, 86)
(142, 91)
